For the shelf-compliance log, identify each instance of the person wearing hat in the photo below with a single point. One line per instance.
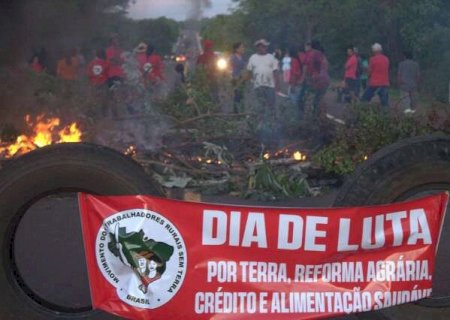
(206, 59)
(140, 52)
(378, 77)
(264, 69)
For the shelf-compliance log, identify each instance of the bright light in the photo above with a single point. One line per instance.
(222, 64)
(180, 58)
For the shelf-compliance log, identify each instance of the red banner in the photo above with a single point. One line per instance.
(152, 258)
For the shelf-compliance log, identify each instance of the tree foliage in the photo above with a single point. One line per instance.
(57, 25)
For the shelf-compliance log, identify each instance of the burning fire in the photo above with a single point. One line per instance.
(299, 156)
(44, 132)
(285, 154)
(130, 151)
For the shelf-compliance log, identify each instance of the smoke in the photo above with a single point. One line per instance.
(196, 8)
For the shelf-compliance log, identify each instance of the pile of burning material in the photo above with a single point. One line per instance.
(213, 169)
(42, 131)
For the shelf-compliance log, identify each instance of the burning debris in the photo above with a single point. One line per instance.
(211, 168)
(44, 131)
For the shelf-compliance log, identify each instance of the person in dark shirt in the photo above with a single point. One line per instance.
(238, 64)
(408, 78)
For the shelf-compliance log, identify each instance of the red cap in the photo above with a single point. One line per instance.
(208, 44)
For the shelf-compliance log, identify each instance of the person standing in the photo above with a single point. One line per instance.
(114, 56)
(378, 77)
(154, 66)
(408, 78)
(351, 81)
(97, 72)
(67, 67)
(140, 53)
(315, 77)
(364, 76)
(295, 76)
(97, 69)
(237, 63)
(264, 70)
(286, 66)
(207, 58)
(36, 65)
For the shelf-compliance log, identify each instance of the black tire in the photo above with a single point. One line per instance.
(64, 167)
(404, 170)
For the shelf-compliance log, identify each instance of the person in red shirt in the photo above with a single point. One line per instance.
(154, 66)
(97, 72)
(295, 76)
(114, 56)
(315, 77)
(351, 81)
(36, 64)
(67, 67)
(207, 58)
(97, 69)
(378, 77)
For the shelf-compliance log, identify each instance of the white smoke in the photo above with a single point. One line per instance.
(196, 8)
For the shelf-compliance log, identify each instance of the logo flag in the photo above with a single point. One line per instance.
(154, 258)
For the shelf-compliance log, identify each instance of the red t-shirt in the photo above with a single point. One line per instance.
(308, 61)
(302, 57)
(206, 58)
(313, 60)
(97, 71)
(114, 57)
(351, 67)
(37, 67)
(154, 67)
(379, 71)
(296, 72)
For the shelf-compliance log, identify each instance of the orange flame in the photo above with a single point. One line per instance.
(70, 133)
(131, 151)
(299, 156)
(43, 133)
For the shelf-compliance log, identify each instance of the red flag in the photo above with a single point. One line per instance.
(152, 258)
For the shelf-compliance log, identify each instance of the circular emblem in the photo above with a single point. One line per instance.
(143, 255)
(97, 69)
(148, 67)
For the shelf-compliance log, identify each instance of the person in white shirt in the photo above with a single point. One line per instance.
(264, 68)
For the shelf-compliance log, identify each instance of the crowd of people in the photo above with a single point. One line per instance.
(106, 68)
(305, 72)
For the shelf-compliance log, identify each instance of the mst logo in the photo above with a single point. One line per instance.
(143, 256)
